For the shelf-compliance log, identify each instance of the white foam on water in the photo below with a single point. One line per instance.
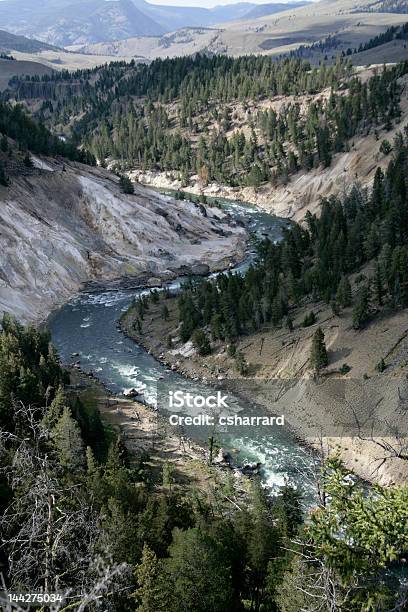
(129, 373)
(109, 298)
(274, 480)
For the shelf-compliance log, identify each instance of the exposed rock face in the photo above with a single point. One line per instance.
(60, 229)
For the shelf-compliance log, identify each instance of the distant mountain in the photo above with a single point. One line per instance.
(11, 42)
(65, 22)
(261, 10)
(230, 12)
(175, 17)
(332, 25)
(81, 22)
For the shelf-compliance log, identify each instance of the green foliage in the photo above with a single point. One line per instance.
(4, 144)
(309, 319)
(318, 353)
(3, 176)
(126, 185)
(344, 294)
(381, 366)
(201, 342)
(55, 411)
(361, 312)
(315, 263)
(152, 592)
(345, 369)
(68, 443)
(197, 574)
(232, 350)
(385, 147)
(16, 124)
(123, 115)
(167, 475)
(187, 552)
(27, 161)
(28, 367)
(359, 534)
(241, 364)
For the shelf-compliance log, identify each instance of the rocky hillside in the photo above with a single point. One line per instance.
(65, 224)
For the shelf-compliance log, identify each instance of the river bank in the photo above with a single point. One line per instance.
(148, 436)
(322, 413)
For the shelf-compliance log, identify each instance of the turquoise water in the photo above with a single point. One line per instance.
(87, 325)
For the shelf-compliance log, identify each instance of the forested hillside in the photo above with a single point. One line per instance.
(215, 117)
(314, 263)
(34, 136)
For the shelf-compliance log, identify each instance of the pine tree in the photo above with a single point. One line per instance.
(167, 474)
(126, 185)
(361, 312)
(344, 294)
(198, 573)
(3, 177)
(4, 144)
(318, 354)
(28, 162)
(201, 342)
(68, 443)
(56, 409)
(378, 285)
(151, 593)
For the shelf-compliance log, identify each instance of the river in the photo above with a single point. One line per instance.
(87, 326)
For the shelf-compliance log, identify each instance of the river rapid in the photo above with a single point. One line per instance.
(86, 329)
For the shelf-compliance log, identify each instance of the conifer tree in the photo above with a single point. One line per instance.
(361, 312)
(68, 443)
(344, 295)
(56, 409)
(3, 177)
(151, 593)
(126, 185)
(318, 354)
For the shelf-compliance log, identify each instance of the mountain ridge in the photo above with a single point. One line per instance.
(70, 22)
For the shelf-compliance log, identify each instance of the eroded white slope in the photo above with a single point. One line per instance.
(60, 229)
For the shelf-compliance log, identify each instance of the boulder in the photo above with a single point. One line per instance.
(200, 269)
(250, 469)
(223, 456)
(130, 392)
